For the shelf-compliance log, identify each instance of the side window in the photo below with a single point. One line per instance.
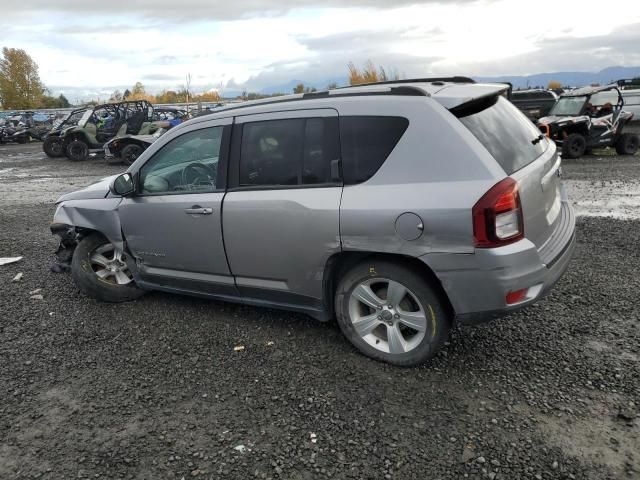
(189, 163)
(297, 151)
(367, 141)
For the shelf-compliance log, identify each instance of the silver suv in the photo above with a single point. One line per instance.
(397, 208)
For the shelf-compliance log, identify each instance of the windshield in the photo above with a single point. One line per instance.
(568, 106)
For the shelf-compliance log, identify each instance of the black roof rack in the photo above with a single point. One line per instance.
(456, 79)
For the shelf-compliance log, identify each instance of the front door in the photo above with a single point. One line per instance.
(281, 213)
(172, 225)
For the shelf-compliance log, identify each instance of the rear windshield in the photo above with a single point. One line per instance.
(508, 135)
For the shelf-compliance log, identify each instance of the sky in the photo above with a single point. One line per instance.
(91, 48)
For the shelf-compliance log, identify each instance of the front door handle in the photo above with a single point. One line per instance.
(198, 210)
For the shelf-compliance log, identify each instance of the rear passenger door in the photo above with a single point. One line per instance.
(281, 211)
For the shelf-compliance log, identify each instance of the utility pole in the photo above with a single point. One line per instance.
(188, 87)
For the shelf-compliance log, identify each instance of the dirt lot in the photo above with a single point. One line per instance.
(154, 389)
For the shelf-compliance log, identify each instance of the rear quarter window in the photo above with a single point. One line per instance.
(508, 135)
(366, 143)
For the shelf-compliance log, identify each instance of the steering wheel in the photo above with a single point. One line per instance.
(198, 174)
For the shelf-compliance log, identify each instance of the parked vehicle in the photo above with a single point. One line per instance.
(337, 204)
(128, 148)
(52, 145)
(630, 89)
(13, 132)
(590, 117)
(174, 115)
(102, 123)
(22, 127)
(534, 103)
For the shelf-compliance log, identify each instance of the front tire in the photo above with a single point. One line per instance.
(77, 151)
(391, 313)
(130, 153)
(627, 144)
(100, 272)
(574, 146)
(53, 147)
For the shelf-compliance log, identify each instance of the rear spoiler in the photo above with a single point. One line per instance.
(463, 100)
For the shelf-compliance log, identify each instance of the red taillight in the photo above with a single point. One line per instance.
(497, 216)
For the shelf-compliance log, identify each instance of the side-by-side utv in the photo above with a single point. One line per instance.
(102, 123)
(588, 118)
(128, 148)
(51, 143)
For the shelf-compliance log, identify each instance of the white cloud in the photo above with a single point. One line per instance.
(114, 44)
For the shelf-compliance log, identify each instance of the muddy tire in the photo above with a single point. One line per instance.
(574, 146)
(53, 147)
(392, 313)
(77, 151)
(628, 144)
(101, 273)
(130, 153)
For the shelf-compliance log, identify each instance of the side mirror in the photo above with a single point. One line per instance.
(123, 185)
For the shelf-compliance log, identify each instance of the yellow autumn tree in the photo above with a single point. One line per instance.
(369, 73)
(20, 85)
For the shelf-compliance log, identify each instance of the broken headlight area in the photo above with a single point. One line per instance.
(68, 242)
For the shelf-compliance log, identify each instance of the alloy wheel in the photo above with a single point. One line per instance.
(109, 265)
(388, 316)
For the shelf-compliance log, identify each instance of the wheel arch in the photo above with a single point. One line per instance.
(339, 263)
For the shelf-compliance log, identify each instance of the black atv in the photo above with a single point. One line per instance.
(102, 123)
(51, 143)
(19, 128)
(587, 118)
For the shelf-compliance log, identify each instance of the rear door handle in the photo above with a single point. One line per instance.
(197, 210)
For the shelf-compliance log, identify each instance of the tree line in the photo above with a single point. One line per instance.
(22, 89)
(182, 95)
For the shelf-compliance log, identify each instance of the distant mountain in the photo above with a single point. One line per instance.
(569, 79)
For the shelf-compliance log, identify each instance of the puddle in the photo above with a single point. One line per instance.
(613, 199)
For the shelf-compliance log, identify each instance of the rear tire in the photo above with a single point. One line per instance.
(130, 153)
(23, 139)
(391, 313)
(53, 147)
(574, 146)
(100, 273)
(627, 144)
(77, 151)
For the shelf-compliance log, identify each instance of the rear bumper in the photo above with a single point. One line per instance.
(477, 284)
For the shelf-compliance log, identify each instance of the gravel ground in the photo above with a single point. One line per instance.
(154, 389)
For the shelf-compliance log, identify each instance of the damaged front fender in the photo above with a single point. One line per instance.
(96, 214)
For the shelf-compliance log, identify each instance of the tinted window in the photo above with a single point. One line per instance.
(189, 163)
(366, 142)
(507, 134)
(297, 151)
